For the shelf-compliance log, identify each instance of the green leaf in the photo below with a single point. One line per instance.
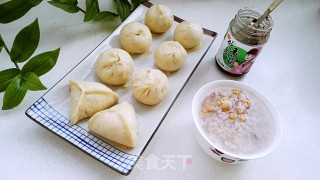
(7, 76)
(69, 6)
(135, 3)
(14, 94)
(14, 9)
(92, 8)
(105, 16)
(25, 43)
(32, 82)
(1, 43)
(123, 8)
(42, 63)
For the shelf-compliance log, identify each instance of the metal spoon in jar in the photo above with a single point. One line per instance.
(267, 12)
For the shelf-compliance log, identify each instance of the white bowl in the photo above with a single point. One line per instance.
(215, 150)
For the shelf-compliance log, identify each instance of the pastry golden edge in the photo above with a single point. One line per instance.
(117, 124)
(88, 98)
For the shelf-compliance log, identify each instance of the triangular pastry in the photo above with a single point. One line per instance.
(88, 98)
(117, 124)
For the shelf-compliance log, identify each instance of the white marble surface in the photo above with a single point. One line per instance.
(287, 72)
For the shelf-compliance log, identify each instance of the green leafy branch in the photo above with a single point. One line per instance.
(15, 82)
(93, 13)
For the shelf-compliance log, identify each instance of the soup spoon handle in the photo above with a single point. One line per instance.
(267, 12)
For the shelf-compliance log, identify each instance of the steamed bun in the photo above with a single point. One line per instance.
(150, 86)
(188, 34)
(114, 66)
(117, 124)
(87, 98)
(170, 56)
(135, 37)
(158, 18)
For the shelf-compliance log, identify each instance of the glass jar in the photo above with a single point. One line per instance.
(243, 41)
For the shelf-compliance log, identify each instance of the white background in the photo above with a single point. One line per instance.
(287, 72)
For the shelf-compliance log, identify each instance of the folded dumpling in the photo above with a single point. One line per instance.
(87, 98)
(117, 124)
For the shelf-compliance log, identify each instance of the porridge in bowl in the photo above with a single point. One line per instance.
(236, 121)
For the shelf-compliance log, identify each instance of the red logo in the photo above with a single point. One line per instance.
(229, 37)
(189, 161)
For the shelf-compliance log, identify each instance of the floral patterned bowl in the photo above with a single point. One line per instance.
(263, 116)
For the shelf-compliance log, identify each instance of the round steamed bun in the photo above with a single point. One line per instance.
(150, 86)
(188, 34)
(114, 66)
(170, 56)
(135, 37)
(158, 18)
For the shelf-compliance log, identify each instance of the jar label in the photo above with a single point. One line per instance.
(236, 57)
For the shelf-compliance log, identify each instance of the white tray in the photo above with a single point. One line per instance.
(52, 110)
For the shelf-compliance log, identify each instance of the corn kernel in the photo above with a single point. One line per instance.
(218, 103)
(225, 98)
(239, 111)
(236, 92)
(247, 101)
(209, 109)
(232, 116)
(225, 107)
(242, 118)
